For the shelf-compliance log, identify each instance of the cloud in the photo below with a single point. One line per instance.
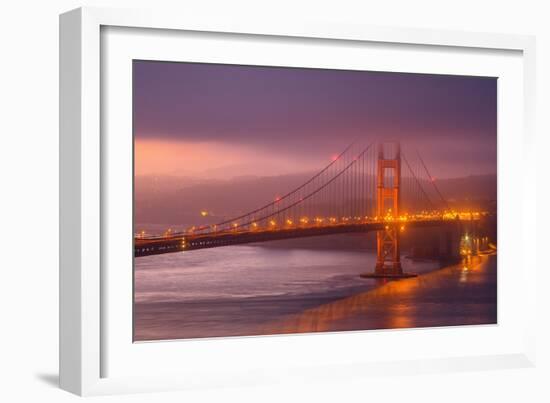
(216, 160)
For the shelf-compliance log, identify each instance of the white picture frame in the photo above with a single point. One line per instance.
(83, 173)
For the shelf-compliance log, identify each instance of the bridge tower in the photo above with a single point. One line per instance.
(388, 202)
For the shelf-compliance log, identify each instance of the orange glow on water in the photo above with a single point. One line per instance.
(400, 300)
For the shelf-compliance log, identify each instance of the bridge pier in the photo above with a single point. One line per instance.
(450, 250)
(388, 262)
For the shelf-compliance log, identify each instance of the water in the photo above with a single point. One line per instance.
(240, 272)
(461, 294)
(244, 290)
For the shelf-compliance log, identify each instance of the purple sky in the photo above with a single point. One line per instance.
(245, 115)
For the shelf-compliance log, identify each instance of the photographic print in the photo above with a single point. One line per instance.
(281, 200)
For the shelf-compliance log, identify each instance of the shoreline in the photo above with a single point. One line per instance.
(396, 304)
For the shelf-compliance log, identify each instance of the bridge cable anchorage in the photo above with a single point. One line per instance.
(433, 181)
(292, 192)
(420, 187)
(349, 165)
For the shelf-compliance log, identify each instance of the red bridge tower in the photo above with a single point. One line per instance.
(388, 259)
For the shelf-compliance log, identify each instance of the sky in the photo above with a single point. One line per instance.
(221, 121)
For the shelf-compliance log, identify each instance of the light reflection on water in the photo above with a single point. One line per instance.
(462, 294)
(246, 290)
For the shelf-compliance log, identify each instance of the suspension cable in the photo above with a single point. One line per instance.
(417, 181)
(432, 181)
(291, 192)
(310, 194)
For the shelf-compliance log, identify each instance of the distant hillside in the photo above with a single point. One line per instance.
(470, 187)
(180, 200)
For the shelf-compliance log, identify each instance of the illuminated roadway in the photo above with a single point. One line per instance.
(179, 242)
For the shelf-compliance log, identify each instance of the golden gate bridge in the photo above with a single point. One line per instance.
(367, 187)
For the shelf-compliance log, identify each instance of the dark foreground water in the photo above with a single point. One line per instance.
(277, 288)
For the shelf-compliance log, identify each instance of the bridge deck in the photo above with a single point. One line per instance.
(178, 243)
